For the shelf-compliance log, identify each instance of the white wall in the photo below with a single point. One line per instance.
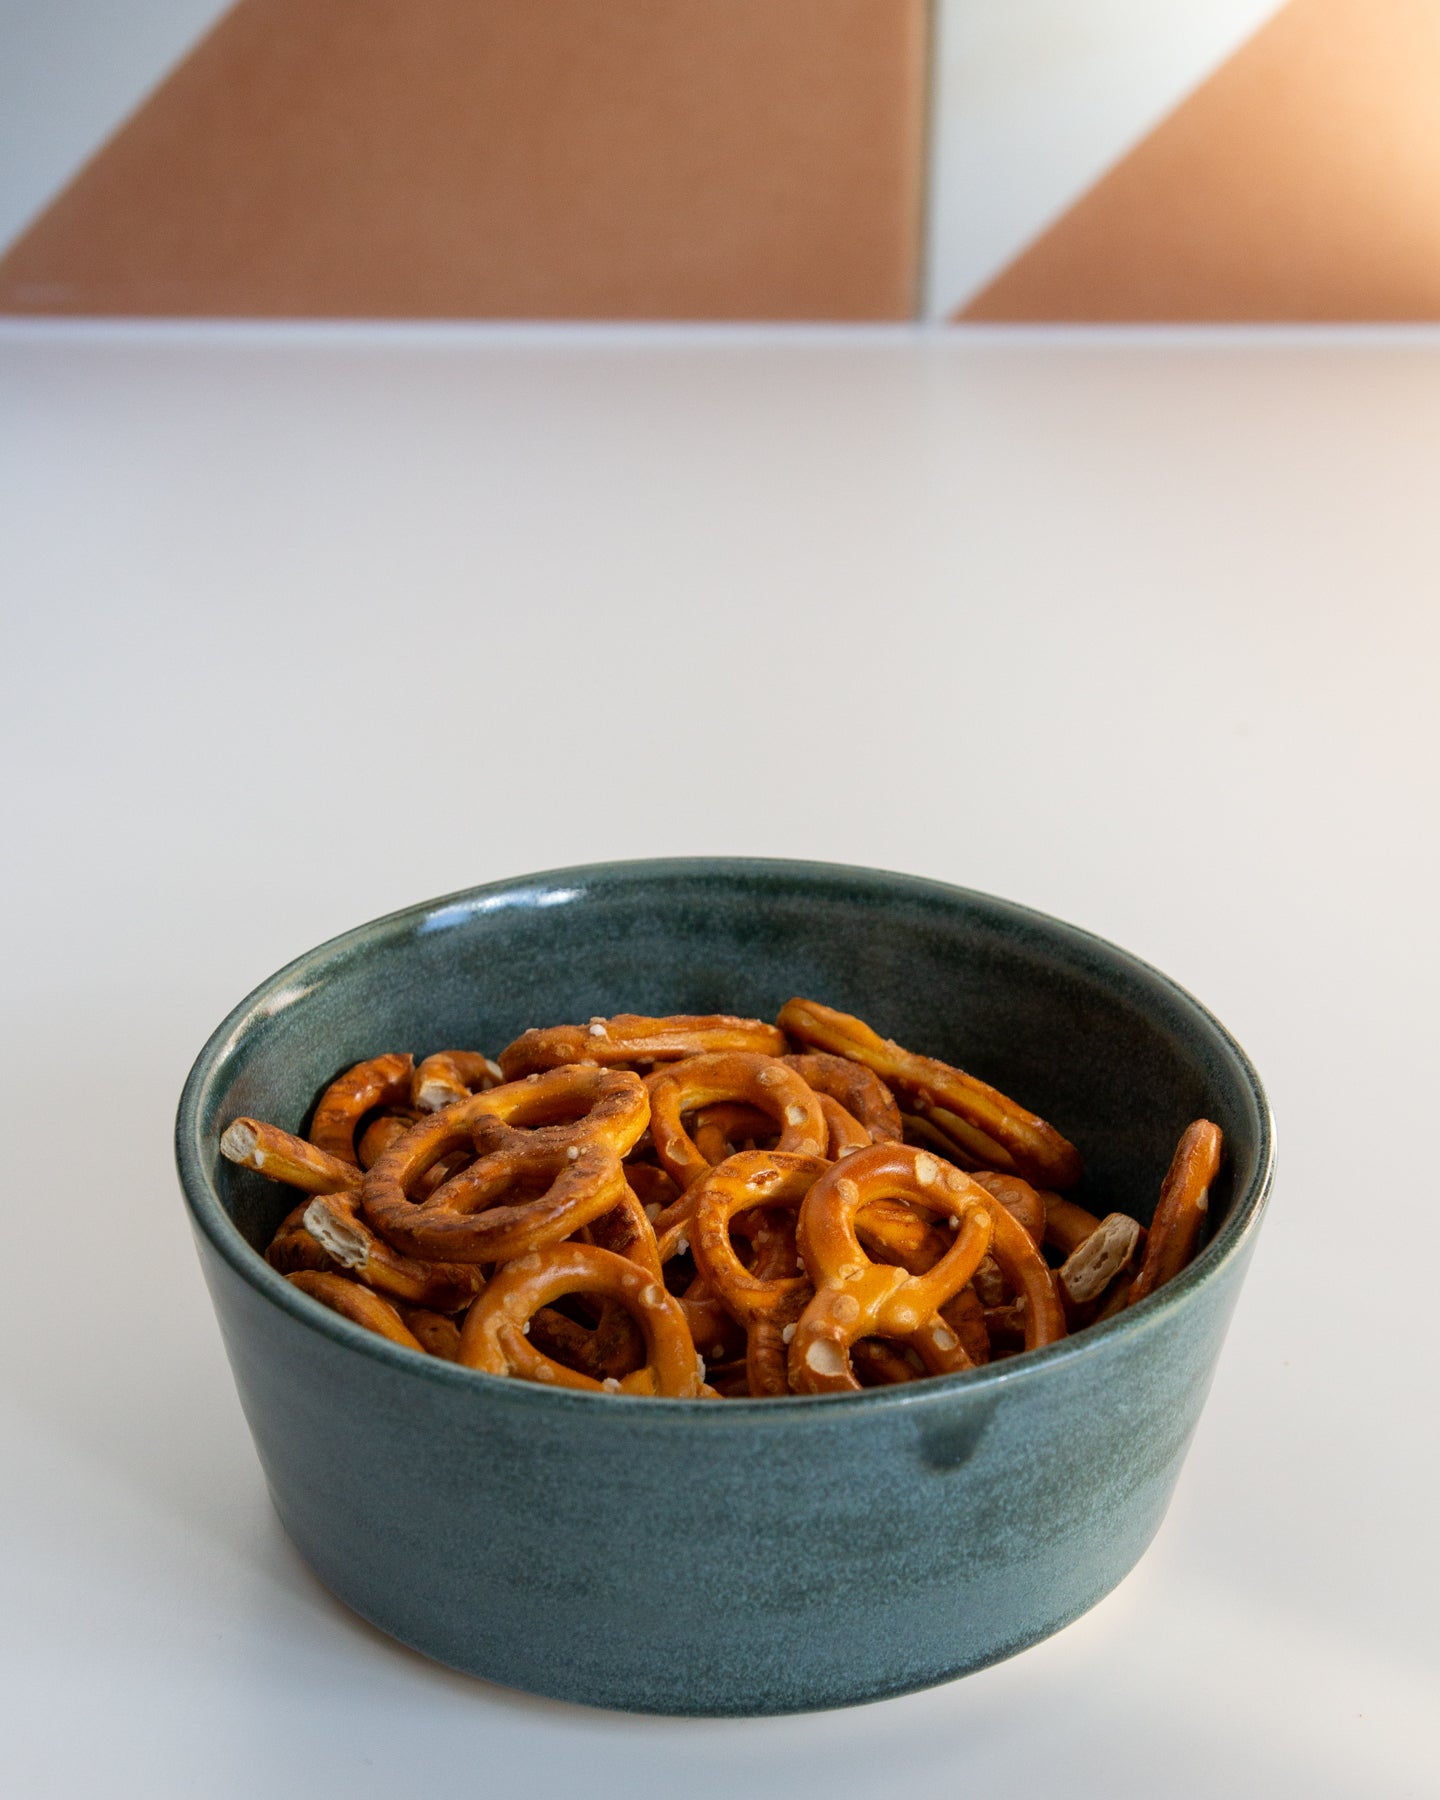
(70, 71)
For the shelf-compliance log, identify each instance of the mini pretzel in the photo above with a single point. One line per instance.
(567, 1107)
(493, 1337)
(357, 1304)
(857, 1298)
(859, 1090)
(1181, 1209)
(380, 1081)
(1026, 1144)
(632, 1037)
(763, 1082)
(722, 1130)
(763, 1304)
(529, 1137)
(452, 1075)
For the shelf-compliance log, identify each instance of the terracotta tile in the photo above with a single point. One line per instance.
(1300, 182)
(754, 159)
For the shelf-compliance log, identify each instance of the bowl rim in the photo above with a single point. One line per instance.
(295, 979)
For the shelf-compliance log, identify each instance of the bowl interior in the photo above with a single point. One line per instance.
(1106, 1048)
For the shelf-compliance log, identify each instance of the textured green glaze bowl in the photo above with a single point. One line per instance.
(737, 1556)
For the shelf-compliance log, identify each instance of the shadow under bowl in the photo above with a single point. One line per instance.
(742, 1556)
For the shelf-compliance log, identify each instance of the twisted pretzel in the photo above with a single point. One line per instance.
(764, 1304)
(1002, 1133)
(632, 1037)
(493, 1337)
(562, 1134)
(1181, 1209)
(857, 1298)
(763, 1082)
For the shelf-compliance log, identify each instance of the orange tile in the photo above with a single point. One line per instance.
(750, 159)
(1300, 182)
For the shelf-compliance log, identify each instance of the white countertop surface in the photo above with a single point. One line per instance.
(304, 625)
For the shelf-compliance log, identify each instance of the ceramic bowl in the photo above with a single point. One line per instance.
(738, 1556)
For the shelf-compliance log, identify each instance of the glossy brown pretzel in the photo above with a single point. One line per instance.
(548, 1163)
(632, 1037)
(494, 1337)
(855, 1297)
(763, 1304)
(763, 1082)
(379, 1081)
(1001, 1133)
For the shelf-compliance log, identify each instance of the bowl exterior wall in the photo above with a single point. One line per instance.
(730, 1557)
(695, 1563)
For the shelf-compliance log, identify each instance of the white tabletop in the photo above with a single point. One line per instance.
(302, 626)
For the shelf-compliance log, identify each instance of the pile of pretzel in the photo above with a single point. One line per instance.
(706, 1207)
